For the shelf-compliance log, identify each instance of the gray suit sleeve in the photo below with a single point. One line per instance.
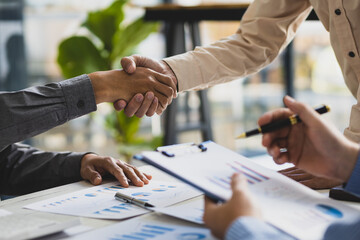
(26, 113)
(34, 110)
(24, 169)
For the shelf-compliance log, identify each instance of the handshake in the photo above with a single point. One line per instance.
(144, 86)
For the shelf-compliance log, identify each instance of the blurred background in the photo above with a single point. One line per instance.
(31, 31)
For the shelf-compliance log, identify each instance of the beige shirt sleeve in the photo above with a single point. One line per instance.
(265, 30)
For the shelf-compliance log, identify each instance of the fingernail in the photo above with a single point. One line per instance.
(271, 152)
(290, 99)
(150, 96)
(139, 98)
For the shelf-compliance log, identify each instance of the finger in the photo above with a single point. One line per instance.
(119, 105)
(139, 174)
(109, 164)
(269, 138)
(153, 107)
(148, 176)
(238, 184)
(277, 146)
(93, 176)
(283, 158)
(160, 109)
(274, 115)
(166, 80)
(133, 105)
(130, 173)
(306, 113)
(209, 204)
(149, 97)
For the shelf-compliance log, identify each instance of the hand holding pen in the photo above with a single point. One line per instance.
(315, 145)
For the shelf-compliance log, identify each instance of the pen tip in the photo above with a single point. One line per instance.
(243, 135)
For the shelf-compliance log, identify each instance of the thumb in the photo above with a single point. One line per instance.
(94, 177)
(308, 115)
(238, 184)
(129, 64)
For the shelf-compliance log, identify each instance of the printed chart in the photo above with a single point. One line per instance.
(99, 202)
(149, 227)
(252, 176)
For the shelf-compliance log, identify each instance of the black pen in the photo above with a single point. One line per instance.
(293, 119)
(128, 199)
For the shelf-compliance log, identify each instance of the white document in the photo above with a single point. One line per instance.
(191, 210)
(4, 213)
(99, 201)
(149, 227)
(285, 203)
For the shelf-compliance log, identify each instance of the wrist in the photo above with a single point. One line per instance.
(171, 73)
(99, 86)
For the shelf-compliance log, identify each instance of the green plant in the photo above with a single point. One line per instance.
(109, 40)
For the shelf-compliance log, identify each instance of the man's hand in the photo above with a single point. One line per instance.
(219, 217)
(109, 86)
(130, 64)
(313, 145)
(310, 180)
(94, 167)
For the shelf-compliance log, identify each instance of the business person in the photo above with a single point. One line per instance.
(315, 146)
(34, 110)
(265, 30)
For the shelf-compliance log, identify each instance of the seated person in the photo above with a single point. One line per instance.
(314, 146)
(34, 110)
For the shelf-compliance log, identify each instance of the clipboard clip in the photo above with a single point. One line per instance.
(181, 149)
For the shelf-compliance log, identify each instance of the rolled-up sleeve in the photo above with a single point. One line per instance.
(35, 110)
(265, 29)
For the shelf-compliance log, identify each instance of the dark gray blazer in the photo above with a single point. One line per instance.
(26, 113)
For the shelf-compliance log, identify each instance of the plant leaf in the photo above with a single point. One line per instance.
(78, 55)
(106, 22)
(127, 38)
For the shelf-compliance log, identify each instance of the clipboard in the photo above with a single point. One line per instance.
(280, 198)
(179, 151)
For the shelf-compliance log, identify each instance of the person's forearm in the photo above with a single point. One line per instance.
(265, 29)
(34, 110)
(24, 169)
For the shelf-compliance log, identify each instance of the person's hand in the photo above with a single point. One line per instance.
(109, 86)
(147, 106)
(94, 167)
(219, 217)
(310, 180)
(313, 145)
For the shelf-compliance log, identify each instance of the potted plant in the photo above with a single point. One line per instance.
(109, 39)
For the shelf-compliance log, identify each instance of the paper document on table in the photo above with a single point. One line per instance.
(191, 210)
(4, 213)
(99, 201)
(285, 203)
(150, 227)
